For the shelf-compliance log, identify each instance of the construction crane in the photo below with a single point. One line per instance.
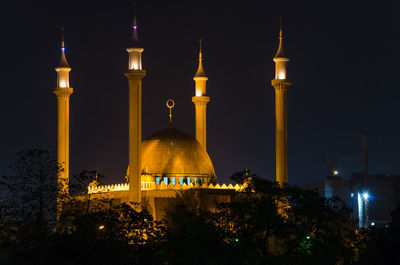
(364, 138)
(331, 162)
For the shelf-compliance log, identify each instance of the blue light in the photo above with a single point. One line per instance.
(63, 49)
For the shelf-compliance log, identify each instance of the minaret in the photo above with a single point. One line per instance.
(200, 101)
(135, 74)
(281, 84)
(63, 92)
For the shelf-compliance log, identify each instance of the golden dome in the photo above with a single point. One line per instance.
(172, 153)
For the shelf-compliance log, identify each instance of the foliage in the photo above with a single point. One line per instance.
(190, 238)
(265, 223)
(384, 242)
(29, 198)
(90, 229)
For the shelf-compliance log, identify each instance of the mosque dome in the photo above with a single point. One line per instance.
(172, 153)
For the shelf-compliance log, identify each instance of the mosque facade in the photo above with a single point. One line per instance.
(169, 161)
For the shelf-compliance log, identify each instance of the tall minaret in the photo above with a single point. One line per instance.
(135, 74)
(281, 84)
(63, 91)
(200, 101)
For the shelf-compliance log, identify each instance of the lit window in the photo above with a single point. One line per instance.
(173, 181)
(166, 180)
(195, 181)
(188, 180)
(181, 181)
(157, 180)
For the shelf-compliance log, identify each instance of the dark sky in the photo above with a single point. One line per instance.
(344, 68)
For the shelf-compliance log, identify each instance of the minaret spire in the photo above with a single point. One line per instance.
(62, 37)
(63, 60)
(200, 70)
(135, 37)
(135, 49)
(281, 84)
(200, 55)
(135, 74)
(280, 53)
(62, 92)
(200, 101)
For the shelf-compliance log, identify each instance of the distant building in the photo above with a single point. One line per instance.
(382, 196)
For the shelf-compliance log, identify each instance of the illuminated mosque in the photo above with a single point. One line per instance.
(169, 160)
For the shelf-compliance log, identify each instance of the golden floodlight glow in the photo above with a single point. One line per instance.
(282, 75)
(162, 186)
(63, 83)
(200, 101)
(281, 84)
(135, 58)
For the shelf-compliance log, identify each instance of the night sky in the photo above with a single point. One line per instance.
(344, 59)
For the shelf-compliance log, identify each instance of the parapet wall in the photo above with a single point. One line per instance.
(161, 186)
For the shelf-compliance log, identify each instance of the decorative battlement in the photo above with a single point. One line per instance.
(108, 188)
(201, 100)
(280, 84)
(162, 186)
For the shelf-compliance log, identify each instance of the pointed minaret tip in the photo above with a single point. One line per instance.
(280, 53)
(200, 54)
(200, 70)
(63, 60)
(62, 38)
(135, 43)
